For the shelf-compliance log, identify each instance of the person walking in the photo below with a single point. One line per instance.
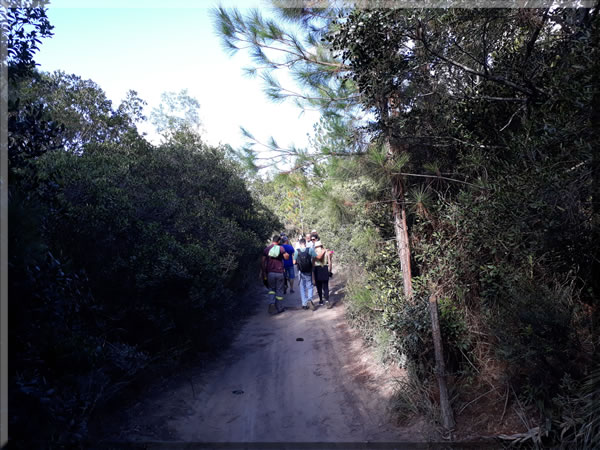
(309, 242)
(323, 271)
(297, 243)
(272, 269)
(288, 265)
(303, 258)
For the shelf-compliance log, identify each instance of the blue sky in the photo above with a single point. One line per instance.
(141, 45)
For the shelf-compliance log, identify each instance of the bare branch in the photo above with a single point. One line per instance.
(441, 178)
(300, 56)
(512, 117)
(491, 99)
(535, 34)
(331, 99)
(485, 75)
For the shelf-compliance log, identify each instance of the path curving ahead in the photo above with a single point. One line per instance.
(299, 376)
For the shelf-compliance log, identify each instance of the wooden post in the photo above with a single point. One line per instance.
(440, 368)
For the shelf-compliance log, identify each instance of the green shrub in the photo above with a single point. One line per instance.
(127, 256)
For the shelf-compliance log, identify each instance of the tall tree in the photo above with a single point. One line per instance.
(80, 107)
(177, 118)
(23, 26)
(326, 82)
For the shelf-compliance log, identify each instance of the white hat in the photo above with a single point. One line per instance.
(318, 244)
(313, 231)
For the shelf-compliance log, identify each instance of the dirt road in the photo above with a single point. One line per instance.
(299, 376)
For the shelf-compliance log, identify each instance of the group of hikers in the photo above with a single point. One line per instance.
(278, 270)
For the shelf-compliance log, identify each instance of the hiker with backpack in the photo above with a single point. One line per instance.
(288, 266)
(272, 270)
(323, 272)
(303, 258)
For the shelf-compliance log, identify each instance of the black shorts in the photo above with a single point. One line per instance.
(321, 273)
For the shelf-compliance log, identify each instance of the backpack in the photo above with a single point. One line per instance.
(274, 252)
(321, 256)
(304, 261)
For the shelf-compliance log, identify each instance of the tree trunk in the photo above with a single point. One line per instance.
(301, 218)
(440, 367)
(398, 205)
(401, 229)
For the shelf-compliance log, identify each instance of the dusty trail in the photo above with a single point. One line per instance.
(270, 386)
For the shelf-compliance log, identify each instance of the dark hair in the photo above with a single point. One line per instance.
(302, 241)
(314, 235)
(276, 238)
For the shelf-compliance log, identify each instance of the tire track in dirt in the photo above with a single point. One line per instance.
(269, 387)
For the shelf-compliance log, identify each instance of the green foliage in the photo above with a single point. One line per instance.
(22, 29)
(412, 397)
(536, 333)
(579, 421)
(272, 46)
(482, 131)
(155, 218)
(501, 184)
(454, 326)
(79, 106)
(124, 256)
(297, 45)
(158, 239)
(363, 304)
(177, 118)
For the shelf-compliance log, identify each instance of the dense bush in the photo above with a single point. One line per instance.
(137, 254)
(124, 256)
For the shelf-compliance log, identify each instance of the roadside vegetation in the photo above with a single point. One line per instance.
(456, 165)
(125, 257)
